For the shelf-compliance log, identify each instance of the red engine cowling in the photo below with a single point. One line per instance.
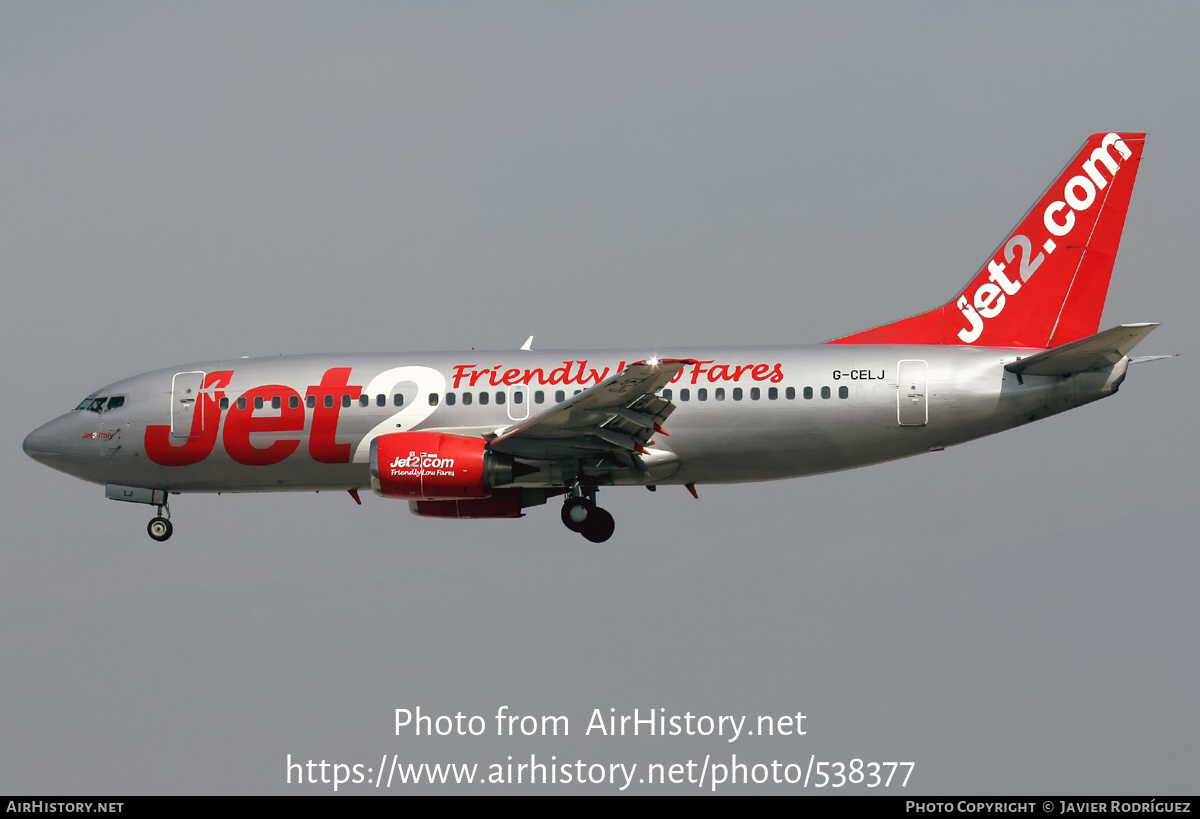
(433, 466)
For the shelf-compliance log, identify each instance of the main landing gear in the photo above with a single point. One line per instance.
(581, 514)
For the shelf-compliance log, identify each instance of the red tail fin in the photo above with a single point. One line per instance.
(1046, 283)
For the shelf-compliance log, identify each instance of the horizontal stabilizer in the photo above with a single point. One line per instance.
(1092, 353)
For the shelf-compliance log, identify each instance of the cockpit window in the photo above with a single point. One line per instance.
(102, 404)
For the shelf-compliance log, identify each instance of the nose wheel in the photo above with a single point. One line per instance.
(159, 528)
(582, 515)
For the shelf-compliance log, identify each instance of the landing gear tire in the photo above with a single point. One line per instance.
(599, 526)
(160, 528)
(576, 513)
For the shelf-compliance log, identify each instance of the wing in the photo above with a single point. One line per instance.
(616, 417)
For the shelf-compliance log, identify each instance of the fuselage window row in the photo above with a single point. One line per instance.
(104, 404)
(756, 394)
(294, 401)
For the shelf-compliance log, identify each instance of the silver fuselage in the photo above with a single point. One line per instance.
(741, 413)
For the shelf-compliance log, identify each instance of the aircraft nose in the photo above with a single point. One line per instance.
(45, 444)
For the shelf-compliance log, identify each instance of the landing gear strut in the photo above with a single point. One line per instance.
(581, 514)
(159, 527)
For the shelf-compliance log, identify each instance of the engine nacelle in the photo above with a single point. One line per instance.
(503, 503)
(434, 466)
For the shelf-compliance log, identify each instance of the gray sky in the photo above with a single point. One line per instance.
(180, 183)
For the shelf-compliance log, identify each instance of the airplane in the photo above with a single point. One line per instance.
(490, 434)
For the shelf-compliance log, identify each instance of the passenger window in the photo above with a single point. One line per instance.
(666, 394)
(329, 400)
(258, 402)
(467, 398)
(791, 393)
(719, 394)
(276, 402)
(499, 397)
(685, 394)
(345, 400)
(539, 397)
(311, 401)
(755, 393)
(737, 393)
(483, 398)
(808, 392)
(843, 392)
(294, 401)
(398, 400)
(824, 392)
(364, 400)
(224, 403)
(702, 394)
(450, 399)
(241, 404)
(773, 393)
(381, 400)
(518, 398)
(559, 396)
(433, 399)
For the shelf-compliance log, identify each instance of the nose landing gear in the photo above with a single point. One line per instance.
(159, 527)
(581, 514)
